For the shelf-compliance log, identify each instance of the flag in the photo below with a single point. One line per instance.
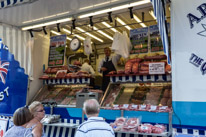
(3, 70)
(159, 12)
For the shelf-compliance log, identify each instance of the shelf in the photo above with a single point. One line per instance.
(54, 81)
(165, 134)
(140, 78)
(68, 125)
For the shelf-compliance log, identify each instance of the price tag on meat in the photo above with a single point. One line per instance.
(157, 68)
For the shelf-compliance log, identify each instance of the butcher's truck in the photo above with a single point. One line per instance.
(20, 68)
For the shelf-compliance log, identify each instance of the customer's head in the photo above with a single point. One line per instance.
(86, 60)
(22, 116)
(107, 51)
(37, 110)
(91, 107)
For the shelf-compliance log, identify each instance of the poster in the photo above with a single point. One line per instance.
(155, 39)
(139, 40)
(57, 50)
(3, 125)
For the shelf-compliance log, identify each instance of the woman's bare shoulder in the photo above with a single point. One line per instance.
(34, 123)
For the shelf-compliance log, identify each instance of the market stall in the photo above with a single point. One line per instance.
(144, 90)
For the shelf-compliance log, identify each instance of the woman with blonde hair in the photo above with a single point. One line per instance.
(37, 110)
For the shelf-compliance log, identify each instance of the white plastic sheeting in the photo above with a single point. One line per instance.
(20, 44)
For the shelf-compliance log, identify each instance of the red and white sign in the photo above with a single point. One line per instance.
(3, 125)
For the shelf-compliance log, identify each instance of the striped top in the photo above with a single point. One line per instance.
(19, 131)
(95, 127)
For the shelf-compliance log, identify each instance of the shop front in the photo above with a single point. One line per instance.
(162, 97)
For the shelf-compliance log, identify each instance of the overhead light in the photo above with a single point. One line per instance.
(90, 20)
(51, 16)
(152, 14)
(106, 35)
(115, 8)
(90, 34)
(46, 24)
(67, 31)
(54, 32)
(139, 21)
(130, 12)
(110, 17)
(123, 23)
(100, 4)
(58, 27)
(57, 33)
(73, 23)
(109, 26)
(31, 33)
(44, 30)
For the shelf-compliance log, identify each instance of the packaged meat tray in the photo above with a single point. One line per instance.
(131, 125)
(118, 123)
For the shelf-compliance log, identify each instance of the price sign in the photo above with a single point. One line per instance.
(157, 68)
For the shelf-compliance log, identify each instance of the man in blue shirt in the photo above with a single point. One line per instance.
(95, 126)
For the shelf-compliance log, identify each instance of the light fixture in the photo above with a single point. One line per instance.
(46, 17)
(123, 23)
(31, 33)
(109, 26)
(84, 15)
(46, 24)
(139, 21)
(116, 8)
(73, 23)
(152, 14)
(90, 20)
(142, 16)
(110, 17)
(99, 4)
(130, 12)
(44, 30)
(67, 31)
(54, 32)
(106, 35)
(90, 34)
(58, 27)
(57, 33)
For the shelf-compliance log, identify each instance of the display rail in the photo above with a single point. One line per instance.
(67, 129)
(55, 81)
(140, 78)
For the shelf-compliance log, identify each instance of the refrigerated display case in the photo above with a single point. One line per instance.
(138, 93)
(61, 94)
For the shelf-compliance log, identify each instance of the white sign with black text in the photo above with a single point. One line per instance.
(157, 68)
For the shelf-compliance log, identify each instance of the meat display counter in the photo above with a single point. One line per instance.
(138, 93)
(63, 95)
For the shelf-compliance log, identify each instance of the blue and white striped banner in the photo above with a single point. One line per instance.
(7, 3)
(161, 20)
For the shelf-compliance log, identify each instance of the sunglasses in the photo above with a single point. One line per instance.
(41, 110)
